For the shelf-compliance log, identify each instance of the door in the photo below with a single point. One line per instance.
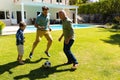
(73, 17)
(19, 16)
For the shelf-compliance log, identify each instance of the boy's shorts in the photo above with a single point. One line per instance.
(20, 49)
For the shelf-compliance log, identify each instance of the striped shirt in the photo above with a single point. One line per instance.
(19, 37)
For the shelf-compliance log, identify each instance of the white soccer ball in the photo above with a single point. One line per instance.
(47, 64)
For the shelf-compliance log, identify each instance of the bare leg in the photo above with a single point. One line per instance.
(34, 46)
(38, 38)
(49, 39)
(20, 59)
(48, 45)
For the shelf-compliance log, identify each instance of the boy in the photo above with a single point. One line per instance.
(20, 41)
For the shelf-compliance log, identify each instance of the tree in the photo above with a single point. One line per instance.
(84, 1)
(72, 2)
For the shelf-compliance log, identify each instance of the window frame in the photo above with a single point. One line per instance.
(2, 14)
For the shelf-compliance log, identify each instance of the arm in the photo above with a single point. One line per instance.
(36, 25)
(68, 39)
(20, 38)
(70, 32)
(49, 26)
(39, 27)
(60, 37)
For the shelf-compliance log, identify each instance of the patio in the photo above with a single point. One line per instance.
(8, 30)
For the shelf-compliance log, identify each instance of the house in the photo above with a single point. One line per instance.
(14, 11)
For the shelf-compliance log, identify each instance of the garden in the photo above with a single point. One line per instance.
(96, 49)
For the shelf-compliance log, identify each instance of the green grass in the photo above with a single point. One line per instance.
(96, 49)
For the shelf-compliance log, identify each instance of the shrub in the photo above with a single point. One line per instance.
(2, 25)
(117, 18)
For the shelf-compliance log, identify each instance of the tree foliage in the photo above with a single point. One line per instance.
(102, 7)
(74, 2)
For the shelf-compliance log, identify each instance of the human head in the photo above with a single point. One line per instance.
(45, 10)
(62, 14)
(22, 25)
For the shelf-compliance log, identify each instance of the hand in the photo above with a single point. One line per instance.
(41, 27)
(59, 39)
(67, 41)
(50, 29)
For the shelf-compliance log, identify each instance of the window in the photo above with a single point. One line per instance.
(38, 13)
(7, 15)
(15, 1)
(57, 16)
(25, 14)
(13, 15)
(2, 15)
(59, 1)
(50, 1)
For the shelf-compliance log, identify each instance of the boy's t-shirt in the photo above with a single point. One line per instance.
(19, 37)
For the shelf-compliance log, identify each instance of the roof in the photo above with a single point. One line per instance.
(49, 5)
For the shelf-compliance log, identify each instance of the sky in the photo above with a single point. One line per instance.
(94, 0)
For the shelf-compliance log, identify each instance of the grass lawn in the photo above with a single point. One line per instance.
(96, 49)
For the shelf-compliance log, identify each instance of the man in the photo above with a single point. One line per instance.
(43, 29)
(68, 34)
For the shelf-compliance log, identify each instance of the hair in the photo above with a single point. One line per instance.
(45, 8)
(21, 24)
(63, 11)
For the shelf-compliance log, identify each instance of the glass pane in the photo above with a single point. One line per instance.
(2, 15)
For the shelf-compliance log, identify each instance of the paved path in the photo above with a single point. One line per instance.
(8, 30)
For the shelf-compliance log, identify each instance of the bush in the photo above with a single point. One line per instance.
(117, 19)
(2, 25)
(116, 26)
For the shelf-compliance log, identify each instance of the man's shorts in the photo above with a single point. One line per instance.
(20, 49)
(45, 33)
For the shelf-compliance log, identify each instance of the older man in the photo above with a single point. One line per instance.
(43, 29)
(68, 34)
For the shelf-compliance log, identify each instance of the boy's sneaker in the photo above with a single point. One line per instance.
(30, 55)
(47, 53)
(21, 62)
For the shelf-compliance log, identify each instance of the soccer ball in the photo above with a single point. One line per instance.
(47, 64)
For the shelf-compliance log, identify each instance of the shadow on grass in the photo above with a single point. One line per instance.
(8, 66)
(110, 30)
(114, 39)
(42, 72)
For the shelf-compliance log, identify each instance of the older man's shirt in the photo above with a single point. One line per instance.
(67, 28)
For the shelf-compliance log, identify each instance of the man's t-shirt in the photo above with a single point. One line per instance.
(43, 21)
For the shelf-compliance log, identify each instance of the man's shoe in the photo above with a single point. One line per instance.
(47, 53)
(67, 63)
(74, 67)
(30, 55)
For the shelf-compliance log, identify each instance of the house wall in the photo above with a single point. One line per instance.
(31, 11)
